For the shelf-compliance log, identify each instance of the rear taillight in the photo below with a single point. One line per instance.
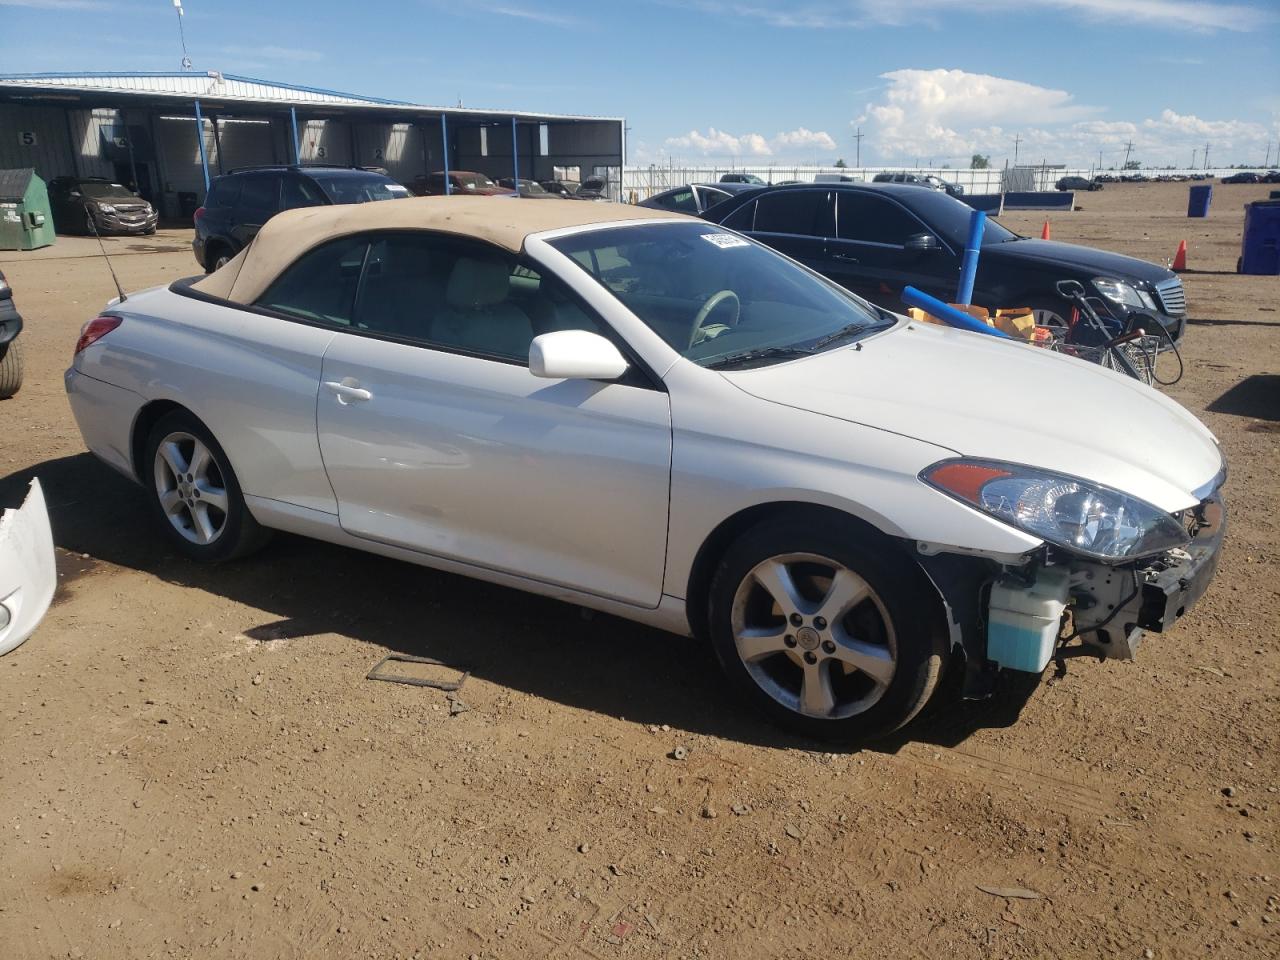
(96, 329)
(198, 216)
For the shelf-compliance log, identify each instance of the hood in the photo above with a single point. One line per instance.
(989, 398)
(1074, 258)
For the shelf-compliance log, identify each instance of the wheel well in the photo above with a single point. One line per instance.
(212, 247)
(147, 418)
(722, 537)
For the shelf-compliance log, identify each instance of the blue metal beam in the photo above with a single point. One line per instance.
(204, 159)
(444, 135)
(293, 129)
(515, 157)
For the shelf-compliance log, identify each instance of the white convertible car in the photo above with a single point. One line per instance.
(648, 415)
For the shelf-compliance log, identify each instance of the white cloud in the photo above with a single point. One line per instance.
(946, 115)
(718, 143)
(1197, 15)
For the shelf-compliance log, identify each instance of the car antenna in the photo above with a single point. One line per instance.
(102, 247)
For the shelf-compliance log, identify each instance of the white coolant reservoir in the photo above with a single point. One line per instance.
(1023, 620)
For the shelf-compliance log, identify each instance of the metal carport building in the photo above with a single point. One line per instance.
(169, 133)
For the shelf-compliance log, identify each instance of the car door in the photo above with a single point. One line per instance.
(869, 252)
(258, 202)
(437, 438)
(795, 222)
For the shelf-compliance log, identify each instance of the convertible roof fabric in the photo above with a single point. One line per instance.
(505, 222)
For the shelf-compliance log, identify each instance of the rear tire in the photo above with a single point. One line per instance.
(216, 258)
(10, 369)
(1051, 312)
(194, 494)
(858, 652)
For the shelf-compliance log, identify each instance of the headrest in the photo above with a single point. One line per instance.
(478, 283)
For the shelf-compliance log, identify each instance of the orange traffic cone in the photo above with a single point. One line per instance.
(1044, 234)
(1180, 258)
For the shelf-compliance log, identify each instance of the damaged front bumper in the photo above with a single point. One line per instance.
(28, 575)
(1151, 596)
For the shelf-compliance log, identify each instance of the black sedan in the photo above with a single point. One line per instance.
(1244, 176)
(876, 239)
(696, 198)
(1077, 183)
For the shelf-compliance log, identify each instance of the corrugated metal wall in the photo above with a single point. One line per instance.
(50, 154)
(324, 141)
(245, 143)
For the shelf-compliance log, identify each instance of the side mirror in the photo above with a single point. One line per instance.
(575, 355)
(922, 242)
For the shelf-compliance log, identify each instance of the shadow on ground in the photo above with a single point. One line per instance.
(541, 646)
(1257, 396)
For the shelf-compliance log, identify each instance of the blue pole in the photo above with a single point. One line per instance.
(444, 136)
(293, 129)
(969, 266)
(515, 160)
(204, 160)
(949, 314)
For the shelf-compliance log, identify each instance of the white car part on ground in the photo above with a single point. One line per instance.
(28, 575)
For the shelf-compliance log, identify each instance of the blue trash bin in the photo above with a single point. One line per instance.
(1260, 245)
(1199, 200)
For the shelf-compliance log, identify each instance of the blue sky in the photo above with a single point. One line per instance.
(759, 81)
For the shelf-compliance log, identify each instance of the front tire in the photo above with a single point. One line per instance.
(10, 369)
(195, 497)
(824, 629)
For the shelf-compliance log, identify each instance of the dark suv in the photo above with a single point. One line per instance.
(239, 203)
(875, 239)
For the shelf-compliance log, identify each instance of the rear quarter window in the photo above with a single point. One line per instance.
(223, 193)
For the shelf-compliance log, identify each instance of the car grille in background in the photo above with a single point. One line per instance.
(1172, 297)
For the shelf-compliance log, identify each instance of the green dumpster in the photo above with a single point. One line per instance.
(26, 222)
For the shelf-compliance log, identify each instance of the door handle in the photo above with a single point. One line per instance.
(844, 257)
(348, 390)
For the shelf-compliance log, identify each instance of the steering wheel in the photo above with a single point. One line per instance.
(705, 311)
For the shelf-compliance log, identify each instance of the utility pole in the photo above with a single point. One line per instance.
(1017, 139)
(858, 139)
(1099, 159)
(1206, 156)
(1193, 157)
(1127, 148)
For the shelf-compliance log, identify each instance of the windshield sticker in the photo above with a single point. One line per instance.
(725, 240)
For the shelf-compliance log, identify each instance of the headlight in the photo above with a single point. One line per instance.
(1071, 513)
(106, 208)
(1117, 291)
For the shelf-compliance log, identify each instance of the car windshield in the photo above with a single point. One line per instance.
(473, 181)
(105, 191)
(355, 189)
(717, 298)
(949, 218)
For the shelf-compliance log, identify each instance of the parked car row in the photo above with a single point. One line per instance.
(1250, 176)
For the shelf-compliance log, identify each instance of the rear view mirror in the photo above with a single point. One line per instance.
(922, 241)
(575, 355)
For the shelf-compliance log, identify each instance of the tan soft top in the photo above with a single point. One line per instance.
(499, 220)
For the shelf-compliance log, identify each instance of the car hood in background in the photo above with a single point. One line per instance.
(1074, 257)
(984, 397)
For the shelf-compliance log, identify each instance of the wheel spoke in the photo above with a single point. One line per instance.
(213, 496)
(204, 528)
(846, 592)
(173, 458)
(756, 643)
(817, 699)
(775, 577)
(873, 660)
(171, 502)
(200, 460)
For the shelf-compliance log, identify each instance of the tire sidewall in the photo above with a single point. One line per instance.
(239, 523)
(898, 581)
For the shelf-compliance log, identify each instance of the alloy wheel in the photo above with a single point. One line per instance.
(190, 487)
(814, 636)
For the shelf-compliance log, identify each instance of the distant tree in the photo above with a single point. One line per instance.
(841, 164)
(979, 162)
(1133, 165)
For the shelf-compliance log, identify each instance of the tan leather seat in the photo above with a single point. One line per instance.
(477, 315)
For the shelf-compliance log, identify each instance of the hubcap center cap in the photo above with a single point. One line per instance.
(808, 638)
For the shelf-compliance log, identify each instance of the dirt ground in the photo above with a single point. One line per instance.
(194, 765)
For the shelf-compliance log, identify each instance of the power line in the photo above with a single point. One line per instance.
(858, 138)
(1206, 156)
(182, 36)
(1017, 139)
(1127, 148)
